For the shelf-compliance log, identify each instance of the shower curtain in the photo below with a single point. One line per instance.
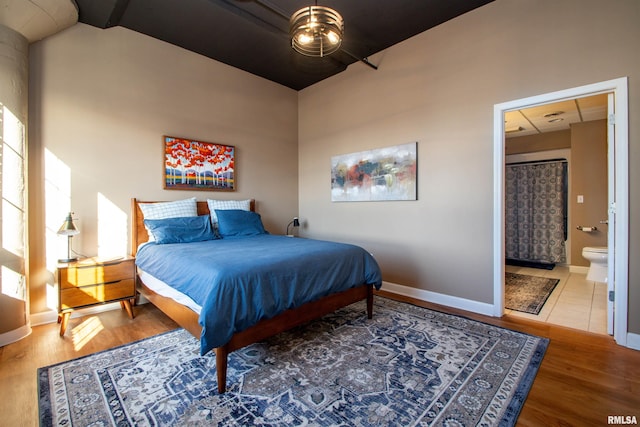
(536, 211)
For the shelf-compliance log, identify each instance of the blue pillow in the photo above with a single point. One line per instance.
(236, 223)
(181, 230)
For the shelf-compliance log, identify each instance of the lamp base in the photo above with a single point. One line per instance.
(67, 260)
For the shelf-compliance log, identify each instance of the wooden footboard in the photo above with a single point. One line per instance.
(188, 319)
(181, 314)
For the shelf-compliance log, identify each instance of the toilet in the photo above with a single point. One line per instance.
(598, 257)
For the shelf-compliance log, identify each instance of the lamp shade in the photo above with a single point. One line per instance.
(295, 222)
(67, 228)
(316, 31)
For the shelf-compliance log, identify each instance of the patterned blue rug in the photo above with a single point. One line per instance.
(407, 366)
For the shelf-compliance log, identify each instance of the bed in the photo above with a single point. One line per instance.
(237, 303)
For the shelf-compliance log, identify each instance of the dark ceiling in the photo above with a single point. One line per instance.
(252, 35)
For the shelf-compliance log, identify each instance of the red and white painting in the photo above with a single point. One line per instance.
(198, 165)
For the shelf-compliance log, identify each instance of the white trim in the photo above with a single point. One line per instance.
(437, 298)
(578, 269)
(15, 335)
(633, 341)
(611, 216)
(43, 318)
(621, 266)
(52, 316)
(620, 89)
(498, 209)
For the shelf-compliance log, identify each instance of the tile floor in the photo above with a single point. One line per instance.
(575, 302)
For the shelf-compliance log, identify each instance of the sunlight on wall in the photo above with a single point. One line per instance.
(85, 331)
(112, 228)
(57, 195)
(52, 296)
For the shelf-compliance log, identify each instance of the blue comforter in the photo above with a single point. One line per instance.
(241, 281)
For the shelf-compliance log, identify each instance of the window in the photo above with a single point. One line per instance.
(12, 209)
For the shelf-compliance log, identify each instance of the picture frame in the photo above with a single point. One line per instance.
(198, 165)
(381, 174)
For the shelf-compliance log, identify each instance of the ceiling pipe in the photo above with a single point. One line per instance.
(363, 60)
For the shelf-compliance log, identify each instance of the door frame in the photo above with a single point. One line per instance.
(619, 88)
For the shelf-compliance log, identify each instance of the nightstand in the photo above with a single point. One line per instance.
(94, 281)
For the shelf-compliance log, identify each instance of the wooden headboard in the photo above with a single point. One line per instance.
(138, 230)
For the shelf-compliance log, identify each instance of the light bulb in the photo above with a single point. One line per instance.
(304, 38)
(333, 37)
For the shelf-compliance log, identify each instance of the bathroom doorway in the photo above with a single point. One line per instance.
(617, 215)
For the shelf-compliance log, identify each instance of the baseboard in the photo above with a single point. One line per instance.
(442, 299)
(52, 316)
(43, 317)
(14, 335)
(578, 269)
(633, 341)
(428, 296)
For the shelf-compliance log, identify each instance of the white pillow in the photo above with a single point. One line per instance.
(244, 205)
(163, 210)
(176, 209)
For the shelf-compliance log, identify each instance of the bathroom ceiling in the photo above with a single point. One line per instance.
(253, 35)
(555, 117)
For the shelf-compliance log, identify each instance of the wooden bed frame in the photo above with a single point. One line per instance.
(188, 319)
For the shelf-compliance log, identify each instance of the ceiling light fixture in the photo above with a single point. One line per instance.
(316, 31)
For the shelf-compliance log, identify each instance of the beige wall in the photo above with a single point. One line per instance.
(588, 179)
(439, 88)
(100, 101)
(539, 142)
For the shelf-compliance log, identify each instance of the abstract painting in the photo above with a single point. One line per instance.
(375, 175)
(197, 165)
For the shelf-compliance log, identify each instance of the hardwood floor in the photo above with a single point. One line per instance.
(584, 377)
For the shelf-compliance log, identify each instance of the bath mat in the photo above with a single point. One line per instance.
(531, 264)
(527, 293)
(407, 366)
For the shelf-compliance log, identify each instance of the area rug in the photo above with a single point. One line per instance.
(407, 366)
(527, 293)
